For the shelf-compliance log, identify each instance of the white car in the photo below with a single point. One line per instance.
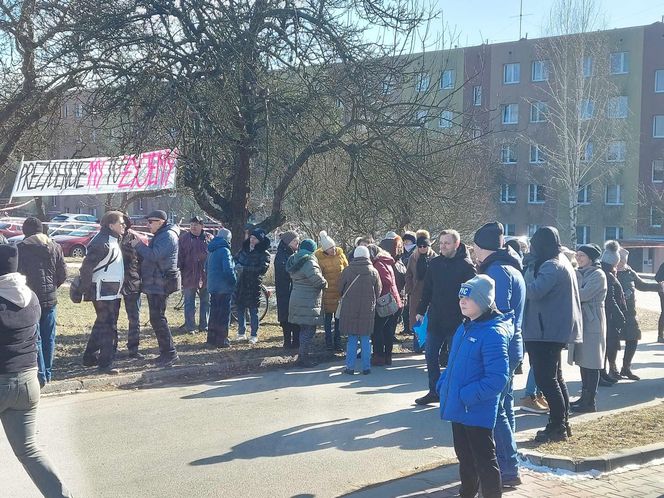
(56, 229)
(74, 218)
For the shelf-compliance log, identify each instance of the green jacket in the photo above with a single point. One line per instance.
(305, 303)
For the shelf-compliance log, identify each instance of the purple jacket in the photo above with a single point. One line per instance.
(192, 255)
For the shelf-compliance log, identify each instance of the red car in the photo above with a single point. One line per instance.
(10, 229)
(75, 243)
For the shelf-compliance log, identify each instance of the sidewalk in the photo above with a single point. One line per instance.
(645, 482)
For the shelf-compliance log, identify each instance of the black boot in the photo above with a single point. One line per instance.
(579, 401)
(628, 374)
(287, 336)
(588, 404)
(605, 380)
(554, 431)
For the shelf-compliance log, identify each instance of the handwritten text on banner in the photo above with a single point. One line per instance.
(97, 175)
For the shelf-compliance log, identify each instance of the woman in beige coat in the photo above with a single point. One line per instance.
(589, 354)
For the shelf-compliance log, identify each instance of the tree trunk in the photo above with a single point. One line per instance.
(240, 197)
(39, 205)
(573, 214)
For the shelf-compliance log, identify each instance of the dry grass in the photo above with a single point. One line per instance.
(628, 429)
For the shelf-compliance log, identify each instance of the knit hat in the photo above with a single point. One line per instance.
(409, 236)
(593, 251)
(259, 233)
(514, 244)
(390, 235)
(308, 245)
(611, 256)
(326, 242)
(158, 215)
(423, 242)
(197, 219)
(361, 252)
(624, 255)
(225, 234)
(8, 259)
(480, 289)
(490, 236)
(32, 226)
(288, 237)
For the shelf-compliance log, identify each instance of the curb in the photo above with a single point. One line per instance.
(180, 374)
(602, 463)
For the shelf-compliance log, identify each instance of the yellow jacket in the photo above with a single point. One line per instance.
(331, 266)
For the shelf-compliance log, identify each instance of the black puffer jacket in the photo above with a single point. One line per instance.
(132, 266)
(440, 294)
(41, 261)
(18, 335)
(282, 281)
(250, 267)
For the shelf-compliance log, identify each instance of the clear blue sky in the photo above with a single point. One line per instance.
(498, 20)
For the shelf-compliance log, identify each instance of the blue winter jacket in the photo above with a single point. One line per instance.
(160, 257)
(504, 267)
(477, 370)
(220, 267)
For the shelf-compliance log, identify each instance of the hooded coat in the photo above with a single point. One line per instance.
(553, 307)
(250, 267)
(282, 280)
(440, 294)
(615, 306)
(192, 255)
(19, 316)
(630, 282)
(359, 304)
(305, 306)
(331, 267)
(592, 292)
(159, 259)
(384, 265)
(415, 284)
(42, 262)
(220, 268)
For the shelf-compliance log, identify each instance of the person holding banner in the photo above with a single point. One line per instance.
(160, 277)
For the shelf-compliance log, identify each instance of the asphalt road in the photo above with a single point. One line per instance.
(287, 433)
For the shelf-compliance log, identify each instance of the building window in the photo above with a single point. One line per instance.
(616, 151)
(658, 171)
(445, 119)
(582, 234)
(421, 117)
(477, 95)
(508, 154)
(388, 87)
(477, 133)
(619, 63)
(78, 110)
(659, 81)
(508, 193)
(537, 154)
(655, 217)
(613, 233)
(510, 113)
(658, 126)
(532, 229)
(54, 202)
(540, 71)
(584, 195)
(509, 229)
(447, 79)
(617, 108)
(587, 67)
(538, 111)
(66, 210)
(535, 194)
(587, 152)
(422, 82)
(511, 73)
(586, 109)
(93, 212)
(613, 196)
(140, 204)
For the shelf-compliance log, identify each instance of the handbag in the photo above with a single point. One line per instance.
(386, 305)
(337, 313)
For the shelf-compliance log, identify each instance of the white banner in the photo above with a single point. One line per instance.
(97, 175)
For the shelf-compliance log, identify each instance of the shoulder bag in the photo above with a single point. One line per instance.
(337, 313)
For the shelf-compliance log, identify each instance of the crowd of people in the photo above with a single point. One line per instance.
(484, 305)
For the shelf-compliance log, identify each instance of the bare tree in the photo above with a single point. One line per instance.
(582, 105)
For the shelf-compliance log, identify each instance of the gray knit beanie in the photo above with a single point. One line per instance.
(480, 289)
(611, 254)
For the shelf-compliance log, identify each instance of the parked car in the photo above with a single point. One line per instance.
(75, 243)
(55, 229)
(10, 229)
(73, 217)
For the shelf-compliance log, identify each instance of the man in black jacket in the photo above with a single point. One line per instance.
(440, 296)
(131, 289)
(41, 260)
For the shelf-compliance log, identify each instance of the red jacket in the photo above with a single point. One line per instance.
(383, 264)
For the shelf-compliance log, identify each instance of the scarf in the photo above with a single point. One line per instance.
(422, 265)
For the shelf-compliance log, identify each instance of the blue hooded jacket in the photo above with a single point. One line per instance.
(159, 257)
(477, 370)
(220, 267)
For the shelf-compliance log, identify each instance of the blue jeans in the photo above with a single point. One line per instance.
(242, 320)
(503, 432)
(351, 351)
(190, 309)
(46, 344)
(531, 385)
(432, 353)
(332, 341)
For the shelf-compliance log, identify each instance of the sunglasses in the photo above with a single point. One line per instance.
(153, 221)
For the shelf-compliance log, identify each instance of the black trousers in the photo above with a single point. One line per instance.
(104, 334)
(478, 466)
(383, 333)
(545, 362)
(220, 318)
(660, 324)
(132, 303)
(157, 307)
(589, 379)
(291, 333)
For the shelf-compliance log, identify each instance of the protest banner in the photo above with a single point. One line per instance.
(154, 170)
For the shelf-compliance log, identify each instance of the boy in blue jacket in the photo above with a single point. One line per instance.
(470, 387)
(221, 282)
